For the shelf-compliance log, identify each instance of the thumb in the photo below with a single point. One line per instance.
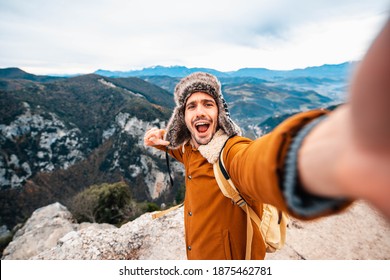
(162, 142)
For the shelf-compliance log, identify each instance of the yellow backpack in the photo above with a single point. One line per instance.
(273, 222)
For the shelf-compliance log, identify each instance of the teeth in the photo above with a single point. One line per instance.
(198, 124)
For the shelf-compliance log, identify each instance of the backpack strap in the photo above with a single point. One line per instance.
(164, 212)
(168, 167)
(229, 190)
(273, 222)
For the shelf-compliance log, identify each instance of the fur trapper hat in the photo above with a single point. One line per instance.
(176, 131)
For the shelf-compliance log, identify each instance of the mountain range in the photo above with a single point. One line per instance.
(335, 71)
(59, 135)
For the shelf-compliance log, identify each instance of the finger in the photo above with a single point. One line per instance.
(155, 137)
(161, 133)
(147, 139)
(150, 132)
(162, 142)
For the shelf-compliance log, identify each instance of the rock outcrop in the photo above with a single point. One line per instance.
(50, 233)
(360, 233)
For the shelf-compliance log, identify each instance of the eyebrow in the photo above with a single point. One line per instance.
(204, 100)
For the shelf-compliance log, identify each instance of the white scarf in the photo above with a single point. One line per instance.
(211, 150)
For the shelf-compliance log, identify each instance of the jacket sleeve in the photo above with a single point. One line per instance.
(258, 169)
(175, 153)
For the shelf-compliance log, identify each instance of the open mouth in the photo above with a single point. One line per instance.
(202, 127)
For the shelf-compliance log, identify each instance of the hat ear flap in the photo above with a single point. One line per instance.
(225, 121)
(176, 130)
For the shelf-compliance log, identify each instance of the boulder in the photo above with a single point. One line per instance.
(41, 231)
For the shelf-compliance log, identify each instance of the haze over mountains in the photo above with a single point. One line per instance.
(336, 71)
(59, 135)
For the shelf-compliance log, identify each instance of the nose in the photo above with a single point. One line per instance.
(200, 111)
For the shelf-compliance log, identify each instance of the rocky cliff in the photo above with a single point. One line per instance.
(50, 233)
(59, 137)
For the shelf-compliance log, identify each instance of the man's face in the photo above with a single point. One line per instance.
(201, 117)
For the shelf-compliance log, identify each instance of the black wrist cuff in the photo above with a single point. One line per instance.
(298, 200)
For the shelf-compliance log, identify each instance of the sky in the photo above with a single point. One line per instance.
(82, 36)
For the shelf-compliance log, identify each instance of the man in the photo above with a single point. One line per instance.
(313, 164)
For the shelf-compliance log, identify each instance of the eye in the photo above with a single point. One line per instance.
(190, 106)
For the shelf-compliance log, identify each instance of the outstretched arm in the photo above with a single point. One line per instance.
(348, 154)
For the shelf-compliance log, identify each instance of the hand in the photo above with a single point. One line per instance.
(155, 137)
(333, 162)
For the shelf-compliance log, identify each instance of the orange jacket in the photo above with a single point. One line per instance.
(214, 227)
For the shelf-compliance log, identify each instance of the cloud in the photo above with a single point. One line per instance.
(119, 34)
